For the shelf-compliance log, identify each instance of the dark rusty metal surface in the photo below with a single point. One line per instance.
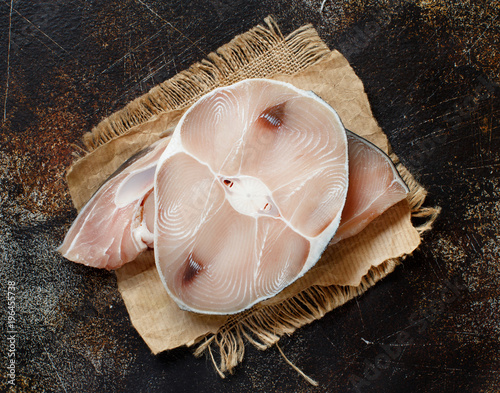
(431, 73)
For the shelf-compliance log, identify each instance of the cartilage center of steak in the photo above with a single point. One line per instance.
(249, 195)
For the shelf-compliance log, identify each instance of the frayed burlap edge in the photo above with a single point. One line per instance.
(260, 326)
(227, 65)
(263, 327)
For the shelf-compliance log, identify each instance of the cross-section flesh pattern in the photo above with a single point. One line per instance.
(243, 199)
(248, 194)
(112, 228)
(374, 186)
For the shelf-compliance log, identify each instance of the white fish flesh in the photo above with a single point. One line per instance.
(248, 194)
(116, 224)
(243, 199)
(374, 186)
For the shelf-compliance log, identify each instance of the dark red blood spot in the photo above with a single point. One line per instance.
(228, 183)
(192, 268)
(273, 116)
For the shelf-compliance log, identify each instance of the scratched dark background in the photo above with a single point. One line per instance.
(431, 71)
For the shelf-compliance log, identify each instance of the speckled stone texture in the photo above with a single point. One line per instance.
(430, 69)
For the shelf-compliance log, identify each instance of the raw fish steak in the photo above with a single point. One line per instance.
(248, 193)
(116, 224)
(374, 186)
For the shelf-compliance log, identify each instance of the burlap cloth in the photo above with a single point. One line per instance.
(345, 270)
